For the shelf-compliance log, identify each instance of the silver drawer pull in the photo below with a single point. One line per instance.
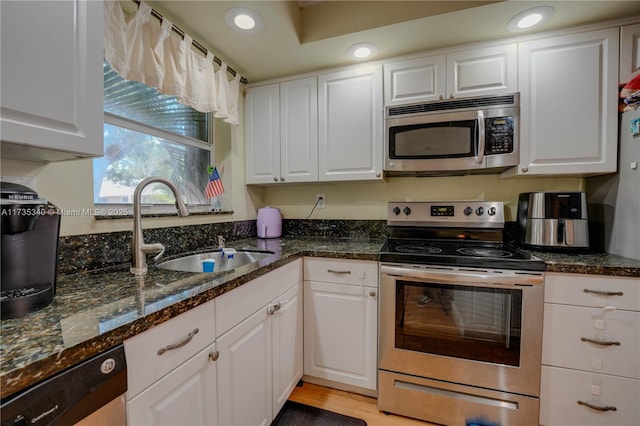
(179, 344)
(595, 407)
(599, 342)
(333, 271)
(604, 293)
(271, 310)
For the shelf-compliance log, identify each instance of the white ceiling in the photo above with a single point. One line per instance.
(302, 36)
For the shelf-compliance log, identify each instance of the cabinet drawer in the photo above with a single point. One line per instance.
(561, 389)
(145, 364)
(565, 325)
(339, 271)
(235, 306)
(580, 290)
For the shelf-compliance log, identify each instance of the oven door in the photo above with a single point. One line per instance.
(469, 326)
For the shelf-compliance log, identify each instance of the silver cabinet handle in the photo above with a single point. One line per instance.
(179, 344)
(275, 179)
(214, 355)
(603, 293)
(599, 342)
(595, 407)
(273, 308)
(333, 271)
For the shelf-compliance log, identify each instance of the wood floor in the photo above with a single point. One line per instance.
(349, 404)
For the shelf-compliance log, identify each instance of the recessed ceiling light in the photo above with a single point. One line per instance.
(529, 18)
(243, 20)
(362, 50)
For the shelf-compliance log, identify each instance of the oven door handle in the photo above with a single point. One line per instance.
(459, 277)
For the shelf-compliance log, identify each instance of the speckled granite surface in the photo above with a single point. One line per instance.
(589, 263)
(96, 310)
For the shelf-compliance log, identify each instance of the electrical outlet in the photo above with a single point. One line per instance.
(320, 201)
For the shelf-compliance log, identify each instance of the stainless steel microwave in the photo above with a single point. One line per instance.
(453, 136)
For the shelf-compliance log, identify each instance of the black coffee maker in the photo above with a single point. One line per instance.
(30, 231)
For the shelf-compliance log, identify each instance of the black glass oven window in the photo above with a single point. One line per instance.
(435, 140)
(476, 323)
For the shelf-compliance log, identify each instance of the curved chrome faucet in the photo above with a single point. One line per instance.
(139, 249)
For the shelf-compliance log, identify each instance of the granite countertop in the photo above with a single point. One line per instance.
(95, 311)
(588, 263)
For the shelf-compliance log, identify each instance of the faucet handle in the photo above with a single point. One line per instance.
(159, 255)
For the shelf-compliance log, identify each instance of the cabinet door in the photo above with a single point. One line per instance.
(629, 52)
(485, 71)
(414, 80)
(286, 328)
(568, 87)
(262, 134)
(244, 373)
(52, 89)
(186, 396)
(340, 333)
(350, 119)
(299, 130)
(562, 388)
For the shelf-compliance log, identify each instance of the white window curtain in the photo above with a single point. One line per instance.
(140, 49)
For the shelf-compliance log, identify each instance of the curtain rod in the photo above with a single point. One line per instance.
(197, 45)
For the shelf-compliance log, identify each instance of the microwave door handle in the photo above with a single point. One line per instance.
(481, 137)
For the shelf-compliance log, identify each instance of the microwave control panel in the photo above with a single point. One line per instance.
(499, 133)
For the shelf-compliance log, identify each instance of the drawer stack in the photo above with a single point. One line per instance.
(590, 351)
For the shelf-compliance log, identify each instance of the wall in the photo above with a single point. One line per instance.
(369, 200)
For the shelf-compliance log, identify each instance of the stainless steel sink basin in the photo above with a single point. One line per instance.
(194, 263)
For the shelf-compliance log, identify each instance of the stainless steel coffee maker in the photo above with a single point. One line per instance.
(554, 220)
(30, 231)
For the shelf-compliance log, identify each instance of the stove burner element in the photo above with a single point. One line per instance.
(419, 248)
(484, 252)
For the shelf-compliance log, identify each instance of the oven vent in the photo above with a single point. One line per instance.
(454, 104)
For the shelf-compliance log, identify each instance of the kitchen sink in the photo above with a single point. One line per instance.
(195, 263)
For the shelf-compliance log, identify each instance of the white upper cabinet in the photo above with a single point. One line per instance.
(262, 133)
(629, 52)
(568, 113)
(282, 132)
(414, 80)
(52, 89)
(482, 71)
(350, 116)
(464, 73)
(299, 130)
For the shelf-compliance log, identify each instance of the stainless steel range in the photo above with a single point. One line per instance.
(460, 317)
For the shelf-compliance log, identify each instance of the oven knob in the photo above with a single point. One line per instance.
(492, 211)
(468, 211)
(479, 211)
(407, 211)
(396, 210)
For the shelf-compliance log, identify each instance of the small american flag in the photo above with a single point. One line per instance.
(214, 187)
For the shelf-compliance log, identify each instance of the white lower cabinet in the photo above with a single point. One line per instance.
(260, 359)
(341, 321)
(590, 351)
(233, 365)
(171, 371)
(186, 396)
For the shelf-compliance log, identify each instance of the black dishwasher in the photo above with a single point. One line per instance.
(71, 395)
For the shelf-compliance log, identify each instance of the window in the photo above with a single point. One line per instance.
(149, 134)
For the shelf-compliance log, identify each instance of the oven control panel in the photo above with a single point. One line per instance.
(473, 214)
